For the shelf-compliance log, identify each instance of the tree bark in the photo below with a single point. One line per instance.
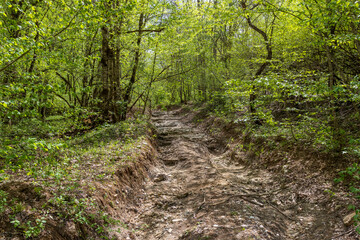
(129, 88)
(268, 57)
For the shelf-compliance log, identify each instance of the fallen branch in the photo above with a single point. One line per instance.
(342, 234)
(243, 197)
(277, 209)
(200, 206)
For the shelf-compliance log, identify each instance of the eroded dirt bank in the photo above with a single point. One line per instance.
(85, 212)
(198, 193)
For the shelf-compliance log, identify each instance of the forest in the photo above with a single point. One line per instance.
(94, 94)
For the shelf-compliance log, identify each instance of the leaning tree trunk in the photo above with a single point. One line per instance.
(268, 57)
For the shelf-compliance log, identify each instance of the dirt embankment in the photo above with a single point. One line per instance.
(208, 181)
(302, 183)
(215, 181)
(206, 187)
(89, 211)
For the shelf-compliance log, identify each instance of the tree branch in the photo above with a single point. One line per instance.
(167, 77)
(146, 30)
(61, 97)
(16, 59)
(25, 53)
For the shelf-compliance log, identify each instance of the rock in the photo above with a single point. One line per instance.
(349, 219)
(177, 220)
(71, 228)
(160, 177)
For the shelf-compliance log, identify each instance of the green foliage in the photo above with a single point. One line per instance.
(287, 68)
(59, 166)
(34, 230)
(73, 208)
(220, 104)
(3, 200)
(351, 177)
(30, 228)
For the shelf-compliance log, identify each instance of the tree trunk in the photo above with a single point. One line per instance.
(262, 66)
(134, 70)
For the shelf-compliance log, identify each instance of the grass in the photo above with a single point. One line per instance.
(65, 168)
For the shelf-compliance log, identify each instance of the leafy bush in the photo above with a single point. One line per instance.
(351, 177)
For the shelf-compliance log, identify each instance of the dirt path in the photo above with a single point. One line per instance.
(197, 195)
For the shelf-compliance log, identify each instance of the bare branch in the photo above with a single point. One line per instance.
(146, 30)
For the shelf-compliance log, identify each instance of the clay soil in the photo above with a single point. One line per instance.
(206, 189)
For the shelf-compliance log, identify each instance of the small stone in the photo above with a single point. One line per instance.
(71, 227)
(160, 177)
(177, 220)
(349, 219)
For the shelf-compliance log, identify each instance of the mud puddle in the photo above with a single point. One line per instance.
(197, 194)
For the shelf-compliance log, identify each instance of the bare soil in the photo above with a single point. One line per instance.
(202, 185)
(206, 189)
(110, 193)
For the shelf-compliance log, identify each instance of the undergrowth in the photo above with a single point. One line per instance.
(311, 130)
(58, 164)
(351, 178)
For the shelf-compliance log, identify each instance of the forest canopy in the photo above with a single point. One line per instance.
(286, 63)
(79, 79)
(275, 62)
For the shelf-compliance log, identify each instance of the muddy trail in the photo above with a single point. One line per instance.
(197, 194)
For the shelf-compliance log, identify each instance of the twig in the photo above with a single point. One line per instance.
(277, 209)
(146, 30)
(200, 207)
(251, 201)
(243, 197)
(253, 194)
(342, 234)
(147, 210)
(163, 194)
